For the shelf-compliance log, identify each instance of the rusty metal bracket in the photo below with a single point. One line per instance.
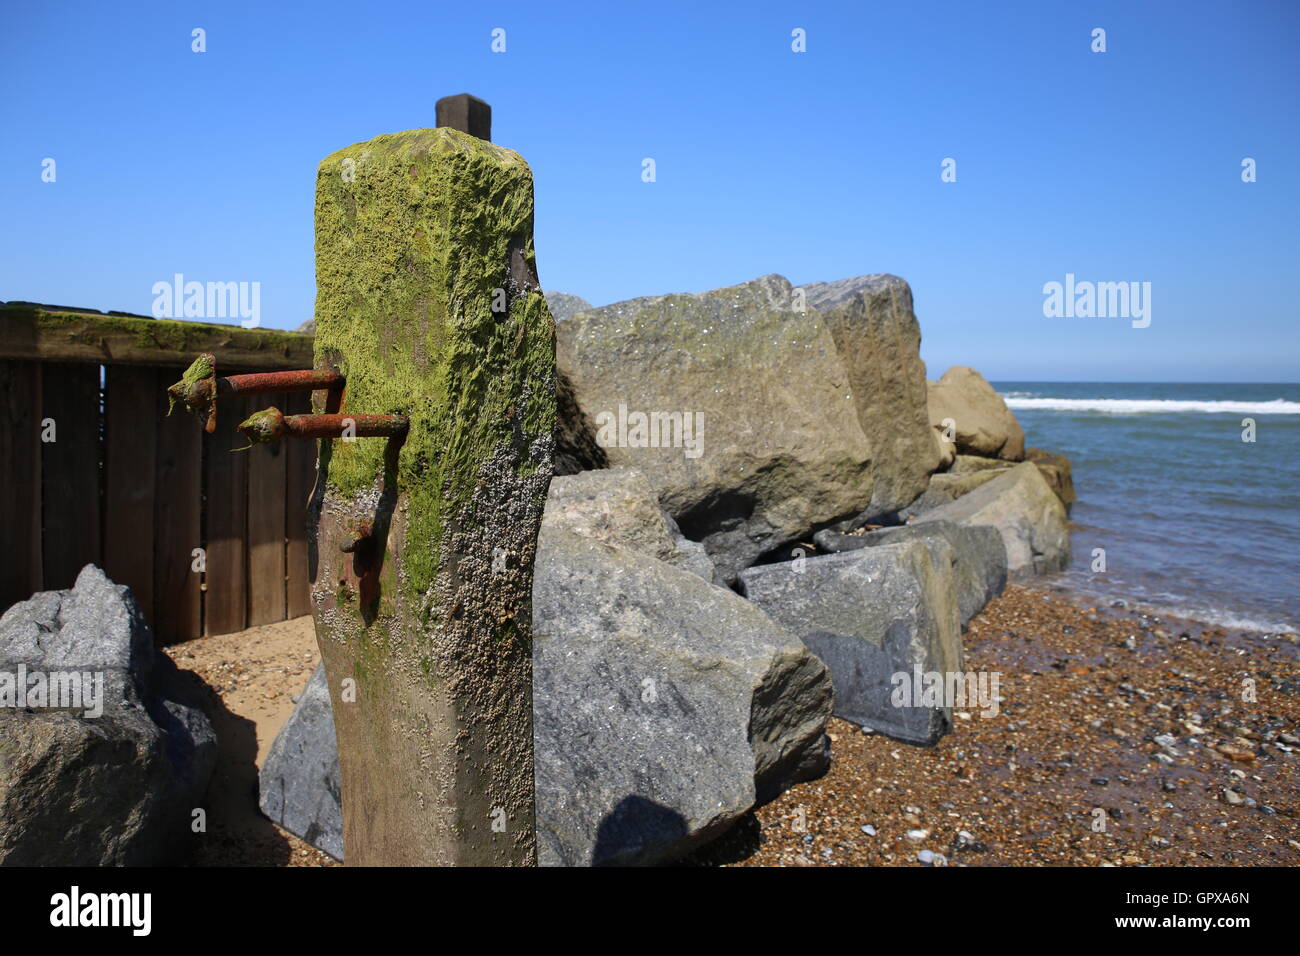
(271, 425)
(200, 388)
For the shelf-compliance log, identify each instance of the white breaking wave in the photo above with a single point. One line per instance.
(1139, 406)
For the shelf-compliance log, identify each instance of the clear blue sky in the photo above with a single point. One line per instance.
(1115, 166)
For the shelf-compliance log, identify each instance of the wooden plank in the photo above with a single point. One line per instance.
(266, 510)
(70, 472)
(20, 481)
(27, 332)
(300, 466)
(130, 463)
(178, 504)
(225, 597)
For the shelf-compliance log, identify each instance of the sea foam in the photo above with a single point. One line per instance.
(1140, 406)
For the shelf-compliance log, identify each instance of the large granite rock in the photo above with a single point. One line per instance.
(870, 615)
(983, 423)
(879, 340)
(779, 449)
(1056, 469)
(617, 506)
(664, 707)
(563, 305)
(974, 464)
(298, 785)
(980, 560)
(1058, 472)
(946, 486)
(1024, 510)
(112, 784)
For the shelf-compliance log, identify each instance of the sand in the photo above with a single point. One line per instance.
(1069, 772)
(250, 680)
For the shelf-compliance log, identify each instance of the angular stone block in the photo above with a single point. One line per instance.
(779, 447)
(870, 615)
(665, 706)
(979, 559)
(298, 785)
(1025, 511)
(617, 506)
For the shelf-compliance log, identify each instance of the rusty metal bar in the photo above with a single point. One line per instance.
(271, 383)
(199, 388)
(271, 425)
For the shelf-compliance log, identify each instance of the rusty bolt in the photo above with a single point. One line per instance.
(271, 425)
(195, 390)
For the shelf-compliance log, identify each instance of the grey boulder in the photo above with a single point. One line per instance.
(1024, 510)
(618, 506)
(298, 785)
(563, 305)
(775, 445)
(876, 617)
(979, 565)
(117, 788)
(1056, 469)
(946, 486)
(878, 338)
(664, 707)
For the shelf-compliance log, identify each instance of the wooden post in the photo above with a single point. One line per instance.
(422, 548)
(469, 114)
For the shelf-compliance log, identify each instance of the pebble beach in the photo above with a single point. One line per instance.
(1122, 740)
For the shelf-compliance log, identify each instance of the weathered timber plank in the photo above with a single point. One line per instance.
(20, 479)
(178, 503)
(266, 537)
(225, 597)
(300, 467)
(30, 333)
(70, 465)
(130, 473)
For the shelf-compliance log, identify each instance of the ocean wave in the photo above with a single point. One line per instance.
(1173, 606)
(1141, 406)
(1218, 617)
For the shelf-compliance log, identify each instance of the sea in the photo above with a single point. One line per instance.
(1191, 491)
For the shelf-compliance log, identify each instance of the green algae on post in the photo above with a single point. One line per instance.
(418, 236)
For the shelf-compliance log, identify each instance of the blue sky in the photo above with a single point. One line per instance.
(1115, 166)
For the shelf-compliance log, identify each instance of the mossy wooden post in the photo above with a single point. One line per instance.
(422, 551)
